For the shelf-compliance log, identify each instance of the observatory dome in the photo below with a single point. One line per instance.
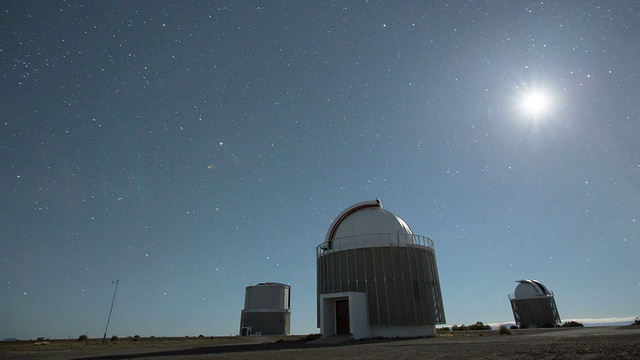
(530, 288)
(533, 305)
(376, 278)
(367, 224)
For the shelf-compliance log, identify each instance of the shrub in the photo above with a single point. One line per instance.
(462, 327)
(477, 326)
(572, 324)
(637, 321)
(82, 338)
(136, 337)
(503, 330)
(115, 338)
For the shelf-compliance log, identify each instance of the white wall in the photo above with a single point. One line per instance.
(358, 318)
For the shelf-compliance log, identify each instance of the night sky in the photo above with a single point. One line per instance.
(191, 149)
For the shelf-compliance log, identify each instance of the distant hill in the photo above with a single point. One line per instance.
(614, 323)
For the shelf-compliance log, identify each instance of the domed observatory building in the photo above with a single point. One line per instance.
(533, 305)
(376, 278)
(266, 310)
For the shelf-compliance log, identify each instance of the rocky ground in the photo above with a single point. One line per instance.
(562, 343)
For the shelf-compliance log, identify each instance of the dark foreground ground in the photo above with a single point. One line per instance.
(564, 343)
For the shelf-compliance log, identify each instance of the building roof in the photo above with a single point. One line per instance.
(527, 288)
(367, 218)
(270, 283)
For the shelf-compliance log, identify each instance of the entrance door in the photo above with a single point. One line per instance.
(342, 317)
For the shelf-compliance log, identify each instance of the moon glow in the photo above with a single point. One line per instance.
(535, 104)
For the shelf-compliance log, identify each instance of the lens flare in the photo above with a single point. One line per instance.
(535, 104)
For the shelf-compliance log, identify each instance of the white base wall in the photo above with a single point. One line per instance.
(358, 319)
(358, 323)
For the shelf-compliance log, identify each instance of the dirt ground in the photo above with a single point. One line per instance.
(562, 343)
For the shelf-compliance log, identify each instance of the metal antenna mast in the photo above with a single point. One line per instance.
(111, 310)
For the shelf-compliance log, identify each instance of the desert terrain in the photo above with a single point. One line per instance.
(559, 343)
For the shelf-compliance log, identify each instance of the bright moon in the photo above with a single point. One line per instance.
(535, 103)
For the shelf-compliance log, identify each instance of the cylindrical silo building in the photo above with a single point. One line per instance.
(533, 305)
(266, 310)
(376, 278)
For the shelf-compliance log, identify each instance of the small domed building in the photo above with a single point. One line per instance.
(267, 310)
(376, 278)
(533, 305)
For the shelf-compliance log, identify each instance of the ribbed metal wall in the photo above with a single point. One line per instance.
(536, 311)
(266, 322)
(400, 278)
